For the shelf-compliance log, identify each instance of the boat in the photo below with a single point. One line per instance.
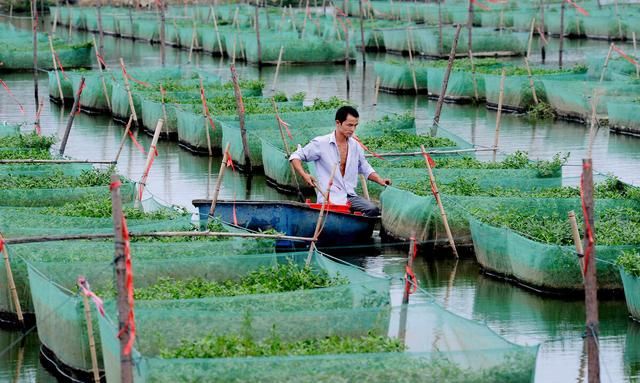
(294, 219)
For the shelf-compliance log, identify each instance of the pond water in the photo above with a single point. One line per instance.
(518, 315)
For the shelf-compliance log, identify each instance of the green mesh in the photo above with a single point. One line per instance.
(152, 111)
(57, 197)
(17, 53)
(617, 69)
(605, 27)
(52, 284)
(7, 129)
(65, 85)
(438, 352)
(624, 116)
(631, 287)
(93, 96)
(544, 266)
(308, 50)
(397, 77)
(460, 86)
(38, 170)
(192, 126)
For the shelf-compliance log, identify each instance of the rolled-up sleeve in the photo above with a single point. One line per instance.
(364, 167)
(310, 152)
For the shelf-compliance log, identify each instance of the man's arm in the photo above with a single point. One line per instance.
(366, 169)
(377, 179)
(308, 178)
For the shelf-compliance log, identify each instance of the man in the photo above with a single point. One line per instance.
(340, 148)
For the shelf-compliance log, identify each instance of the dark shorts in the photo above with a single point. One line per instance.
(364, 206)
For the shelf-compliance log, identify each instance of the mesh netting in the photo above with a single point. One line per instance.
(631, 288)
(16, 52)
(624, 116)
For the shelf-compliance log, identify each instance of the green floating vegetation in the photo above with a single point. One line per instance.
(229, 346)
(611, 188)
(396, 140)
(87, 178)
(265, 280)
(629, 260)
(24, 154)
(100, 207)
(541, 111)
(614, 226)
(27, 141)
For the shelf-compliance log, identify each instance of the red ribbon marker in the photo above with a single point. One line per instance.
(411, 284)
(432, 163)
(86, 290)
(130, 77)
(80, 94)
(104, 64)
(542, 36)
(578, 8)
(60, 65)
(136, 143)
(480, 5)
(624, 55)
(206, 108)
(230, 161)
(6, 87)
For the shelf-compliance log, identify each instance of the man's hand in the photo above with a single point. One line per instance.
(385, 182)
(310, 180)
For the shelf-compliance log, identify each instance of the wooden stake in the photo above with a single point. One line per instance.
(445, 80)
(531, 84)
(129, 95)
(287, 151)
(55, 18)
(55, 68)
(533, 22)
(346, 53)
(365, 187)
(377, 90)
(413, 70)
(150, 156)
(590, 280)
(72, 115)
(576, 238)
(440, 42)
(126, 363)
(542, 28)
(606, 62)
(193, 39)
(410, 257)
(100, 30)
(12, 285)
(243, 129)
(216, 192)
(34, 27)
(562, 8)
(319, 224)
(499, 115)
(205, 114)
(92, 342)
(164, 108)
(275, 77)
(124, 138)
(436, 194)
(104, 84)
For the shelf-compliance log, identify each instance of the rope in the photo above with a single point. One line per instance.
(6, 87)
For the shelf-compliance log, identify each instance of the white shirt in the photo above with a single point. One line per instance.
(323, 152)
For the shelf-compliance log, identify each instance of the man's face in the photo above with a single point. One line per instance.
(348, 126)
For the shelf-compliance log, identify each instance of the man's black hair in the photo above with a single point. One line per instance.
(344, 111)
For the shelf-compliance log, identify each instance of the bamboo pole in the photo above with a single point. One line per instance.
(55, 68)
(275, 77)
(562, 8)
(193, 39)
(92, 342)
(287, 151)
(440, 42)
(531, 84)
(577, 241)
(104, 84)
(543, 52)
(635, 53)
(590, 280)
(257, 28)
(364, 59)
(163, 31)
(346, 53)
(377, 90)
(243, 129)
(445, 80)
(215, 28)
(129, 95)
(606, 62)
(436, 194)
(124, 138)
(34, 27)
(410, 257)
(216, 191)
(72, 115)
(533, 22)
(55, 18)
(205, 114)
(365, 187)
(157, 234)
(126, 362)
(100, 29)
(319, 224)
(150, 156)
(164, 109)
(413, 70)
(12, 285)
(496, 137)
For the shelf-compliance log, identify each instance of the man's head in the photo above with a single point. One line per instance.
(346, 120)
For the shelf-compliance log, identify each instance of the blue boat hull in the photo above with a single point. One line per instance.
(292, 218)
